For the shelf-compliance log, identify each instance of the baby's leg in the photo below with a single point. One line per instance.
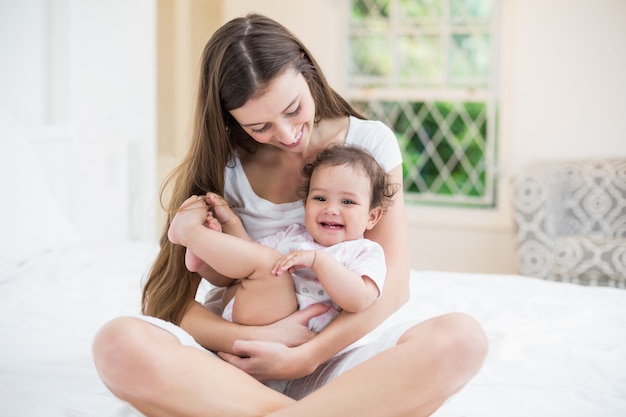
(229, 255)
(264, 298)
(193, 262)
(261, 297)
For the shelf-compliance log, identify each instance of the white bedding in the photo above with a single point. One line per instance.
(556, 349)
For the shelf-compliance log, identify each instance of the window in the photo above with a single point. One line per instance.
(427, 69)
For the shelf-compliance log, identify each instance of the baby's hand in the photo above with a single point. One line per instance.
(191, 213)
(295, 260)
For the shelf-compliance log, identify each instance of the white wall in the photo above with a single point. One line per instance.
(568, 81)
(22, 73)
(80, 78)
(562, 91)
(562, 88)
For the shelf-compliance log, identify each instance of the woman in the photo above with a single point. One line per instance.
(264, 107)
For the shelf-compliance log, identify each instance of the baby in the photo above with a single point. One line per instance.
(327, 260)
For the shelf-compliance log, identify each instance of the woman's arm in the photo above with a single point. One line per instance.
(219, 335)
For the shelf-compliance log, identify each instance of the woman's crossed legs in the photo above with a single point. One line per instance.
(148, 367)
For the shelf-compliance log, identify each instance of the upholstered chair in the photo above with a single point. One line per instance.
(571, 221)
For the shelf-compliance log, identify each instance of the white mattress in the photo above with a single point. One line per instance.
(556, 349)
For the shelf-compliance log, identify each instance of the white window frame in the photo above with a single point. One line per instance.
(444, 90)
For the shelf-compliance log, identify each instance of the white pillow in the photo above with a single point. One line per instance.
(32, 218)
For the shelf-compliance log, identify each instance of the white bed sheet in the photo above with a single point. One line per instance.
(556, 349)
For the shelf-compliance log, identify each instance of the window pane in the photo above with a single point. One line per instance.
(469, 58)
(421, 8)
(370, 8)
(419, 59)
(471, 8)
(423, 67)
(370, 57)
(443, 145)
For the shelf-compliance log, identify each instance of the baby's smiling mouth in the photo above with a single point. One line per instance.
(328, 225)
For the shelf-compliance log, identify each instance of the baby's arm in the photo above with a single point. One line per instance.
(351, 291)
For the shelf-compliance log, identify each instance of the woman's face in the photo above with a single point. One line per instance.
(283, 116)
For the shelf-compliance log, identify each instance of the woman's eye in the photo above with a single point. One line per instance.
(261, 130)
(266, 127)
(295, 112)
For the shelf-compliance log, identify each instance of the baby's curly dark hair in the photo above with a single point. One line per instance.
(359, 159)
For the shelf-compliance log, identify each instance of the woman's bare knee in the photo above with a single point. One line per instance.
(119, 352)
(459, 343)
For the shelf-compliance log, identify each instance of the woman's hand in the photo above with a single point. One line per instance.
(281, 355)
(270, 360)
(293, 330)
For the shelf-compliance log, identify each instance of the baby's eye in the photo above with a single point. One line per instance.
(319, 198)
(347, 201)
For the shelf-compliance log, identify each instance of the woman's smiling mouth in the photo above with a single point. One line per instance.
(296, 140)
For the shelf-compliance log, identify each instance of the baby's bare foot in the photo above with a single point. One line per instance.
(212, 223)
(192, 262)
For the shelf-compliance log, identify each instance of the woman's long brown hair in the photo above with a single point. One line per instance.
(239, 62)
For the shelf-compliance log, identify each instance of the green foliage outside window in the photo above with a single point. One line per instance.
(443, 150)
(429, 46)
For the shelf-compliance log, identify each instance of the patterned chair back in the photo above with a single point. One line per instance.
(571, 221)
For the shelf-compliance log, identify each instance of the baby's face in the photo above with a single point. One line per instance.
(338, 205)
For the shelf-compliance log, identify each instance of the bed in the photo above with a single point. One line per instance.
(556, 349)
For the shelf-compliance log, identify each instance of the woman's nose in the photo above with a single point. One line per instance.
(285, 133)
